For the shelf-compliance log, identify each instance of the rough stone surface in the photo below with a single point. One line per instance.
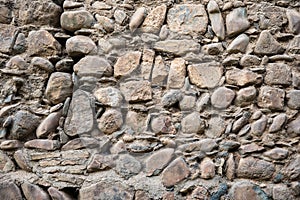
(127, 166)
(267, 45)
(154, 20)
(222, 97)
(216, 19)
(236, 21)
(32, 192)
(271, 98)
(207, 168)
(9, 190)
(205, 75)
(293, 99)
(127, 64)
(158, 161)
(75, 20)
(177, 47)
(247, 191)
(48, 125)
(110, 121)
(109, 96)
(239, 44)
(294, 21)
(175, 172)
(278, 74)
(188, 19)
(177, 73)
(80, 45)
(192, 123)
(136, 91)
(242, 77)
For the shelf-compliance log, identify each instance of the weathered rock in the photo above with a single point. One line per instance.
(292, 169)
(110, 121)
(158, 161)
(277, 153)
(43, 144)
(136, 121)
(105, 23)
(206, 75)
(42, 43)
(48, 125)
(42, 63)
(79, 45)
(175, 172)
(246, 96)
(236, 21)
(127, 64)
(9, 190)
(207, 168)
(163, 124)
(137, 18)
(59, 87)
(37, 12)
(8, 34)
(250, 148)
(258, 127)
(247, 191)
(202, 102)
(242, 77)
(10, 144)
(216, 127)
(204, 145)
(293, 128)
(293, 99)
(267, 45)
(147, 62)
(32, 192)
(192, 123)
(106, 190)
(136, 91)
(216, 19)
(159, 72)
(171, 98)
(188, 19)
(177, 47)
(200, 192)
(93, 66)
(229, 145)
(127, 166)
(294, 45)
(240, 122)
(24, 125)
(55, 194)
(222, 97)
(101, 162)
(213, 49)
(278, 123)
(177, 73)
(154, 19)
(6, 14)
(64, 65)
(75, 20)
(188, 102)
(239, 44)
(6, 165)
(278, 74)
(81, 113)
(272, 98)
(231, 169)
(22, 160)
(253, 168)
(281, 191)
(250, 60)
(80, 143)
(294, 21)
(120, 17)
(109, 96)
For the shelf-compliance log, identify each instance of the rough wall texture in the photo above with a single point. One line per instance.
(169, 99)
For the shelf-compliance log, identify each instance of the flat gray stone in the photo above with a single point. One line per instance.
(267, 45)
(177, 47)
(293, 97)
(237, 21)
(278, 74)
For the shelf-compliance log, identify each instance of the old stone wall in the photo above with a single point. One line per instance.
(137, 99)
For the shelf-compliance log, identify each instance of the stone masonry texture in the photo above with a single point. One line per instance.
(149, 100)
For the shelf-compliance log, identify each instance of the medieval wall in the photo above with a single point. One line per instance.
(137, 99)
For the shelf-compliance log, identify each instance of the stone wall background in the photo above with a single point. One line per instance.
(150, 99)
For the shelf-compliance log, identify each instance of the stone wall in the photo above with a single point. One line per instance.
(168, 99)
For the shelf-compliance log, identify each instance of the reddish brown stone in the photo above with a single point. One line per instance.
(207, 168)
(158, 161)
(43, 144)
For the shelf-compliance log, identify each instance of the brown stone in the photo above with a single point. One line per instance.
(293, 99)
(177, 73)
(230, 167)
(278, 74)
(246, 96)
(10, 144)
(110, 121)
(109, 96)
(162, 125)
(79, 46)
(158, 161)
(75, 20)
(188, 19)
(278, 123)
(127, 166)
(10, 191)
(222, 97)
(272, 98)
(59, 87)
(147, 62)
(137, 18)
(277, 153)
(250, 148)
(242, 77)
(258, 127)
(192, 123)
(206, 75)
(160, 72)
(253, 168)
(33, 192)
(177, 47)
(207, 168)
(294, 21)
(101, 162)
(48, 125)
(216, 127)
(8, 35)
(6, 165)
(154, 19)
(292, 169)
(216, 19)
(136, 91)
(49, 145)
(22, 160)
(42, 63)
(293, 128)
(267, 45)
(281, 191)
(175, 172)
(127, 63)
(204, 145)
(42, 43)
(80, 143)
(247, 191)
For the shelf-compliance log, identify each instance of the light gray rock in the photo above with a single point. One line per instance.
(242, 77)
(294, 21)
(278, 123)
(246, 96)
(239, 44)
(158, 161)
(237, 21)
(278, 74)
(79, 45)
(42, 63)
(32, 192)
(177, 47)
(110, 121)
(177, 73)
(270, 97)
(109, 96)
(216, 127)
(137, 18)
(222, 97)
(75, 20)
(293, 97)
(267, 45)
(216, 19)
(159, 72)
(136, 91)
(48, 125)
(277, 153)
(193, 123)
(293, 128)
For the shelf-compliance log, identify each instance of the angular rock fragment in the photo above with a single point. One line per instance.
(136, 91)
(105, 23)
(171, 98)
(278, 74)
(207, 168)
(258, 127)
(42, 63)
(222, 97)
(163, 125)
(175, 172)
(293, 128)
(205, 75)
(247, 191)
(127, 166)
(80, 143)
(177, 47)
(292, 169)
(109, 96)
(127, 64)
(8, 35)
(237, 21)
(216, 127)
(9, 190)
(187, 19)
(272, 98)
(48, 125)
(58, 195)
(294, 21)
(43, 144)
(242, 77)
(213, 49)
(32, 192)
(6, 165)
(267, 45)
(239, 44)
(159, 72)
(101, 162)
(177, 73)
(250, 60)
(250, 148)
(75, 20)
(277, 153)
(154, 20)
(59, 87)
(23, 161)
(293, 99)
(158, 161)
